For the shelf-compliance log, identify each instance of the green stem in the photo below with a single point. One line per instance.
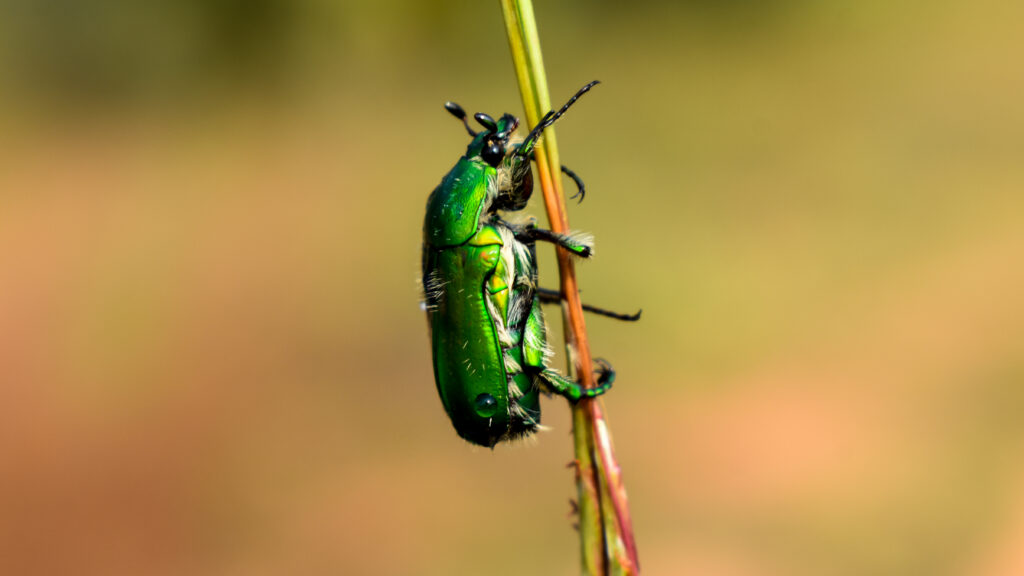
(606, 531)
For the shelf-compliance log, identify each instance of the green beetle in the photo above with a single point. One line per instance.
(480, 286)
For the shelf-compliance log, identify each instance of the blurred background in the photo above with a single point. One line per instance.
(213, 360)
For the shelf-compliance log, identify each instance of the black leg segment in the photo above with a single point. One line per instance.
(547, 296)
(581, 192)
(575, 245)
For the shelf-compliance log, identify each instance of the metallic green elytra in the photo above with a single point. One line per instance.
(480, 286)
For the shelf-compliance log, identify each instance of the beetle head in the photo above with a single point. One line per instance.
(491, 144)
(515, 180)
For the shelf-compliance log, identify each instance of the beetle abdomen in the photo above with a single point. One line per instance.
(510, 309)
(468, 362)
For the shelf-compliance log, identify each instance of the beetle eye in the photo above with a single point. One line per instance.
(485, 405)
(493, 154)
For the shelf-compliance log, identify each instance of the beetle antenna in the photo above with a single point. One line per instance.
(486, 121)
(549, 119)
(457, 111)
(511, 123)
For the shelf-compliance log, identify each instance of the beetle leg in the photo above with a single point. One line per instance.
(555, 297)
(535, 343)
(573, 391)
(576, 244)
(581, 190)
(536, 354)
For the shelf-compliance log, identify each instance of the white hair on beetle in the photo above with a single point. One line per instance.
(490, 195)
(579, 239)
(503, 180)
(520, 220)
(524, 439)
(500, 328)
(509, 271)
(514, 392)
(518, 258)
(523, 416)
(433, 289)
(538, 341)
(512, 368)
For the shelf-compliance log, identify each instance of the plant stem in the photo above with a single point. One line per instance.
(606, 530)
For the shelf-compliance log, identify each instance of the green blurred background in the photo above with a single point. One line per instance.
(213, 360)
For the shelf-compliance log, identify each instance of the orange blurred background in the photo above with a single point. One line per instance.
(213, 360)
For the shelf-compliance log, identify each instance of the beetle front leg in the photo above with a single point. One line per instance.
(580, 188)
(576, 244)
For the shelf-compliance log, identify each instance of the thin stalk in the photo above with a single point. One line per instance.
(606, 530)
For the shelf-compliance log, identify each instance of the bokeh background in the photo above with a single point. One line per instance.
(213, 360)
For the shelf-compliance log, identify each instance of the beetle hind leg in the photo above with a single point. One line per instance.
(574, 391)
(536, 355)
(524, 405)
(605, 375)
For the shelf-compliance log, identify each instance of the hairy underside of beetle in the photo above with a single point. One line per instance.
(510, 323)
